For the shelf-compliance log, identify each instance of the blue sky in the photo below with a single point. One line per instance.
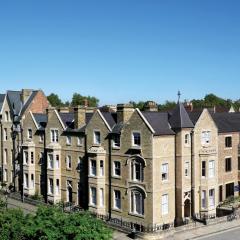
(121, 50)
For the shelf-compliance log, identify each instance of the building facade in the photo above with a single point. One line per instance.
(147, 167)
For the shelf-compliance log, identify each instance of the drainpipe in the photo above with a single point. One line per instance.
(86, 180)
(192, 174)
(21, 165)
(175, 180)
(110, 177)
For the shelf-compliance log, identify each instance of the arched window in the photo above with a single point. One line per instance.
(137, 202)
(137, 169)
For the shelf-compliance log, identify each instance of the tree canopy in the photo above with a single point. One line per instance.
(54, 100)
(52, 224)
(78, 99)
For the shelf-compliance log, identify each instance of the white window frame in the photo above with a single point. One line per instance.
(137, 210)
(117, 199)
(68, 140)
(206, 137)
(165, 170)
(116, 168)
(165, 204)
(96, 141)
(187, 138)
(93, 197)
(50, 161)
(57, 161)
(54, 135)
(50, 186)
(80, 141)
(93, 170)
(136, 137)
(203, 199)
(116, 144)
(25, 157)
(26, 180)
(69, 161)
(211, 198)
(101, 197)
(211, 169)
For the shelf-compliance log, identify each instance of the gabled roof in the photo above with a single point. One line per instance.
(2, 97)
(227, 122)
(179, 118)
(15, 103)
(110, 118)
(40, 118)
(28, 102)
(67, 118)
(159, 122)
(194, 116)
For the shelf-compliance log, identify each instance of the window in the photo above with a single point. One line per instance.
(238, 163)
(5, 175)
(50, 186)
(57, 186)
(6, 116)
(54, 135)
(93, 196)
(186, 169)
(80, 164)
(211, 165)
(137, 203)
(41, 155)
(117, 168)
(228, 164)
(164, 204)
(165, 172)
(203, 168)
(69, 162)
(68, 140)
(50, 161)
(93, 168)
(136, 139)
(97, 137)
(32, 181)
(187, 139)
(137, 170)
(228, 142)
(26, 180)
(80, 141)
(25, 157)
(41, 137)
(211, 198)
(101, 197)
(116, 141)
(30, 136)
(117, 199)
(32, 157)
(5, 156)
(5, 137)
(203, 199)
(101, 168)
(206, 137)
(57, 166)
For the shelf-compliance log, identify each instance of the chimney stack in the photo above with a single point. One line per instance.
(124, 112)
(79, 116)
(25, 94)
(151, 106)
(63, 109)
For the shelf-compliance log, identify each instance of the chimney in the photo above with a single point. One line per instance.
(150, 106)
(188, 106)
(25, 94)
(124, 112)
(49, 110)
(85, 102)
(79, 116)
(63, 109)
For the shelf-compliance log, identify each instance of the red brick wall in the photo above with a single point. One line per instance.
(39, 103)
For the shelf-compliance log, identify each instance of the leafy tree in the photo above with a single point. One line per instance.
(168, 105)
(78, 99)
(139, 105)
(54, 100)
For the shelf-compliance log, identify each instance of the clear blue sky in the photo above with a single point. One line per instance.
(121, 50)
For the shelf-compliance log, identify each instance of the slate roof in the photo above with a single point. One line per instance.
(29, 101)
(159, 122)
(110, 118)
(179, 118)
(227, 122)
(14, 98)
(118, 128)
(2, 97)
(40, 118)
(67, 118)
(194, 116)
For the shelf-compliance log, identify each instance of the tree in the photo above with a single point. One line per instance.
(168, 105)
(54, 100)
(78, 99)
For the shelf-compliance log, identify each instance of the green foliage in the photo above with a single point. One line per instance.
(54, 100)
(168, 105)
(51, 223)
(139, 105)
(78, 99)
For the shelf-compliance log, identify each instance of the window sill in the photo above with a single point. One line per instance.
(117, 210)
(227, 148)
(69, 169)
(115, 148)
(165, 181)
(116, 177)
(92, 205)
(136, 215)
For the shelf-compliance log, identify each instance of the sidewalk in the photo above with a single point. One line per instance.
(206, 230)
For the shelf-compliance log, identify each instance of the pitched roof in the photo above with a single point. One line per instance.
(15, 103)
(194, 116)
(110, 118)
(227, 122)
(179, 118)
(159, 122)
(28, 102)
(2, 97)
(67, 118)
(40, 118)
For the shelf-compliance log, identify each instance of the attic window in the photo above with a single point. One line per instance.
(30, 133)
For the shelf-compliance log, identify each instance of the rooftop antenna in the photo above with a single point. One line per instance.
(179, 95)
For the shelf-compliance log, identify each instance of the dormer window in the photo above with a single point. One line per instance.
(136, 139)
(116, 141)
(30, 136)
(96, 137)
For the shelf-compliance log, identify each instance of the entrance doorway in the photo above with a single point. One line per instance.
(187, 207)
